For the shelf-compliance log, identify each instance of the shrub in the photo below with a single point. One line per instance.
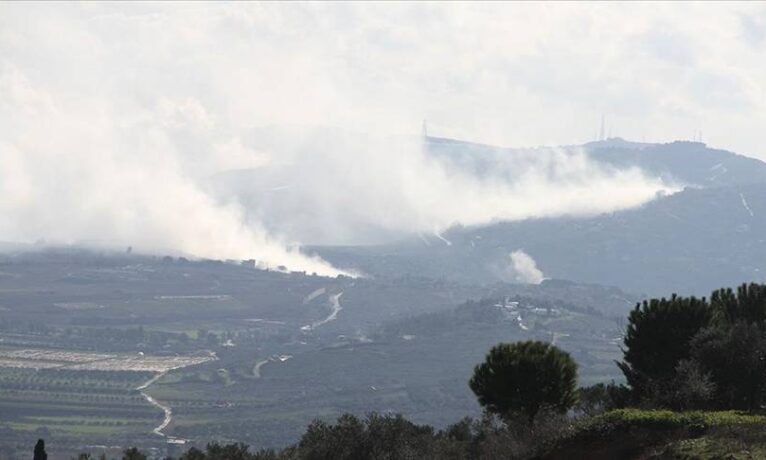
(735, 359)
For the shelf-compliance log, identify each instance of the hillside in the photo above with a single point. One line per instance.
(690, 242)
(685, 162)
(691, 163)
(416, 366)
(664, 435)
(251, 355)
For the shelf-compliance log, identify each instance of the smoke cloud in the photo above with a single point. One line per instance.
(525, 268)
(75, 176)
(186, 128)
(336, 187)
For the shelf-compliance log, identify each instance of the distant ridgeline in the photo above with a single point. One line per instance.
(708, 234)
(686, 162)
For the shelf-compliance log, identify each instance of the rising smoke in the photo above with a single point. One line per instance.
(118, 124)
(335, 187)
(524, 268)
(76, 178)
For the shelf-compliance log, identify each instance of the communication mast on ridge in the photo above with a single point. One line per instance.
(602, 133)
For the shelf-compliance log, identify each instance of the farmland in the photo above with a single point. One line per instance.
(68, 360)
(108, 349)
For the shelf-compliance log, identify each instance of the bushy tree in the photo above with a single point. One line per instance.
(525, 377)
(691, 387)
(735, 358)
(392, 437)
(389, 437)
(133, 454)
(325, 441)
(657, 339)
(602, 397)
(376, 437)
(684, 353)
(236, 451)
(748, 305)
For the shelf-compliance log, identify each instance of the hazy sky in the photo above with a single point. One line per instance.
(517, 74)
(112, 116)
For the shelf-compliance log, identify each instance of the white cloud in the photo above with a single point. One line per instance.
(515, 74)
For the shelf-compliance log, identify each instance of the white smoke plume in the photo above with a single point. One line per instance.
(122, 123)
(335, 187)
(525, 268)
(78, 170)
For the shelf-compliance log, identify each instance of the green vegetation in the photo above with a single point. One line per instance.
(684, 359)
(606, 424)
(526, 377)
(75, 406)
(662, 434)
(623, 434)
(657, 338)
(687, 353)
(744, 444)
(393, 437)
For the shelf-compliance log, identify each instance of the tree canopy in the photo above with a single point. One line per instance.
(657, 339)
(525, 377)
(747, 305)
(685, 353)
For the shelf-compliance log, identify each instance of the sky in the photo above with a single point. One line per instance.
(514, 74)
(113, 116)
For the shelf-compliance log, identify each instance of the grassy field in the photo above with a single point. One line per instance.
(663, 434)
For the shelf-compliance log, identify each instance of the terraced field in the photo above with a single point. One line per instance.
(72, 398)
(32, 358)
(70, 407)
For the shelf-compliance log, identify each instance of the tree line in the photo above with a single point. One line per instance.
(687, 353)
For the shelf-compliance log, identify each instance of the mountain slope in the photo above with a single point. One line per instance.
(692, 163)
(690, 242)
(689, 163)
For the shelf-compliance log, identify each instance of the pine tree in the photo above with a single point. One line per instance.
(526, 377)
(657, 339)
(40, 453)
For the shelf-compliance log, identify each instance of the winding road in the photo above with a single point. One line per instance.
(165, 409)
(335, 309)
